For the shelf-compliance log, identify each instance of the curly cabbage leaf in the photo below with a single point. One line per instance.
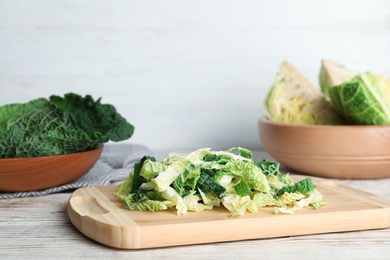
(243, 152)
(315, 199)
(304, 186)
(293, 99)
(258, 201)
(60, 125)
(250, 173)
(242, 189)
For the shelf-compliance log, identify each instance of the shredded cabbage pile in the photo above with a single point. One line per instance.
(205, 179)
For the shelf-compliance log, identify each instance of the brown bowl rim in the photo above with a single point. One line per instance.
(4, 160)
(266, 120)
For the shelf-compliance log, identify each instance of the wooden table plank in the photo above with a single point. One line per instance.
(39, 228)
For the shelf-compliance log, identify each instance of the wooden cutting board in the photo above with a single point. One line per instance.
(98, 214)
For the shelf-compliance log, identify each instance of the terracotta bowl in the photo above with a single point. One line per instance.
(344, 152)
(38, 173)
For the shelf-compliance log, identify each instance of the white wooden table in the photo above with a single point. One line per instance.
(39, 228)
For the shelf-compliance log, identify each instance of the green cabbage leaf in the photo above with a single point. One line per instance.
(59, 125)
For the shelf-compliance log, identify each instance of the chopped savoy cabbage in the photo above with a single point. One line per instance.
(205, 179)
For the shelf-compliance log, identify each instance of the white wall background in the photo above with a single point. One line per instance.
(186, 73)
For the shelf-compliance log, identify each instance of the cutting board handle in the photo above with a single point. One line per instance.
(88, 206)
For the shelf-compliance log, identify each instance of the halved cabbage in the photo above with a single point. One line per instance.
(293, 99)
(363, 100)
(332, 74)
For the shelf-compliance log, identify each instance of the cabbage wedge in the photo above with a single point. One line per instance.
(364, 100)
(332, 74)
(293, 99)
(361, 98)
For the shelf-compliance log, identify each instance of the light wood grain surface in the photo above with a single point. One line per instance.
(39, 228)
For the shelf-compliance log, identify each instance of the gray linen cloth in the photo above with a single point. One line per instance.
(114, 165)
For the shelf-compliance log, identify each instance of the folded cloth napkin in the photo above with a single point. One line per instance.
(114, 165)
